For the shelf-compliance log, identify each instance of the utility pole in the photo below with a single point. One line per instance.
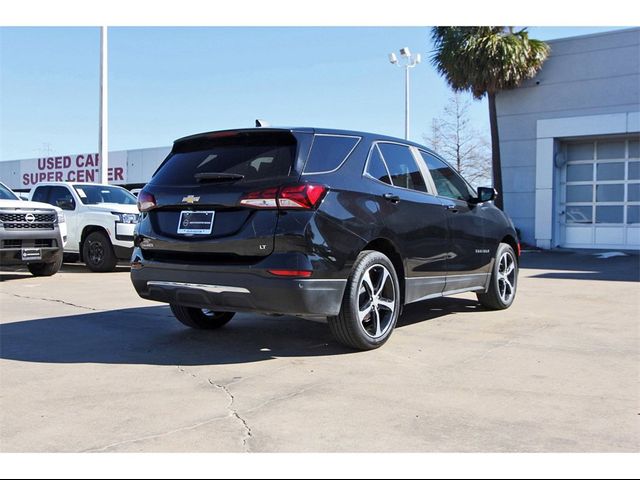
(103, 137)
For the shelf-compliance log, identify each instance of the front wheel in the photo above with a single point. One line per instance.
(371, 303)
(504, 280)
(98, 254)
(201, 318)
(46, 269)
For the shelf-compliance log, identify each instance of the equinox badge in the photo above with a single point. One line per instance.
(191, 199)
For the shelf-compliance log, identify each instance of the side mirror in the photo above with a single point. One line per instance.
(66, 204)
(486, 194)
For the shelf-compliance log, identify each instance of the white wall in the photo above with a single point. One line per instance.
(588, 77)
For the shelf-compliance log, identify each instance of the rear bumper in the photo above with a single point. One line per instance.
(237, 288)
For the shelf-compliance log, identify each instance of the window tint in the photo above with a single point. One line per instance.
(402, 167)
(59, 196)
(328, 152)
(376, 167)
(254, 155)
(41, 194)
(448, 182)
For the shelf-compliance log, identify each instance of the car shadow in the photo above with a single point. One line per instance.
(152, 336)
(573, 265)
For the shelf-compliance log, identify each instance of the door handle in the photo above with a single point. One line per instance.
(393, 198)
(452, 208)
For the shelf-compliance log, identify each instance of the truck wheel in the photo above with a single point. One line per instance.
(98, 254)
(504, 280)
(201, 318)
(46, 269)
(371, 304)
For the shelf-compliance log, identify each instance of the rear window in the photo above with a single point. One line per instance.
(251, 155)
(328, 152)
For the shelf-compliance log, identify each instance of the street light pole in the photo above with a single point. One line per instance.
(410, 61)
(103, 141)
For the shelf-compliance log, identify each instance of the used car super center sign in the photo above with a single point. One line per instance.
(83, 167)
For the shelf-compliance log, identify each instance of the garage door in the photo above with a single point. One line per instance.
(600, 194)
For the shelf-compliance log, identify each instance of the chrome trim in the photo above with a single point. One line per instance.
(366, 174)
(448, 292)
(341, 163)
(341, 280)
(450, 276)
(198, 286)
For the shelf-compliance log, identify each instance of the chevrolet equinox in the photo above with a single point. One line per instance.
(345, 225)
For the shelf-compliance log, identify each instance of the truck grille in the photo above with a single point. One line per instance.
(28, 220)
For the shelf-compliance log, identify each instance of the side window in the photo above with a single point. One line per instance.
(328, 152)
(41, 194)
(448, 182)
(376, 167)
(61, 197)
(402, 167)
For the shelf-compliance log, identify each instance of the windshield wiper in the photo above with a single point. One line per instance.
(217, 177)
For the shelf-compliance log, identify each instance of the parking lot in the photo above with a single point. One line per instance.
(86, 365)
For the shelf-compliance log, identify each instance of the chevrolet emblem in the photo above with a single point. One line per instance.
(191, 199)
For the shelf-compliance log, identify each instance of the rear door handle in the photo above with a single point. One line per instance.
(393, 198)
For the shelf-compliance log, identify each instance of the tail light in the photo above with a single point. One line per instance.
(261, 199)
(300, 197)
(146, 201)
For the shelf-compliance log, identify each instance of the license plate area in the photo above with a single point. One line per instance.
(196, 222)
(31, 254)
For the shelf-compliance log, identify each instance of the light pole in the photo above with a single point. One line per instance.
(103, 143)
(410, 61)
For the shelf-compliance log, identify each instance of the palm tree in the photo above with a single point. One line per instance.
(485, 60)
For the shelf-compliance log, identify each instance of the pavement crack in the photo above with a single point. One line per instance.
(54, 300)
(248, 434)
(158, 435)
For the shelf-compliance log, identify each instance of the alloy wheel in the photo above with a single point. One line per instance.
(96, 252)
(376, 301)
(506, 277)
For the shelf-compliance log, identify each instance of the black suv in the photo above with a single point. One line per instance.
(313, 222)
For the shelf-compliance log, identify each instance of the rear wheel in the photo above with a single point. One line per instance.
(371, 303)
(98, 254)
(504, 280)
(201, 318)
(46, 269)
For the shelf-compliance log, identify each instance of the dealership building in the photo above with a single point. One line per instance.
(569, 140)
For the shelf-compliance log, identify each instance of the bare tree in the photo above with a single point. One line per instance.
(459, 143)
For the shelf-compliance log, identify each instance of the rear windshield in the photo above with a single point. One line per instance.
(251, 156)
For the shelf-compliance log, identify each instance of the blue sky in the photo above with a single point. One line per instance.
(168, 82)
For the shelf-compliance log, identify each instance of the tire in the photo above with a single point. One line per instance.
(503, 287)
(46, 269)
(98, 254)
(370, 309)
(199, 318)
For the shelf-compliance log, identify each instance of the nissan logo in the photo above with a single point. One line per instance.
(30, 217)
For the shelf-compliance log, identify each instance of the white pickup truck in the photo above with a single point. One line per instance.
(31, 234)
(100, 220)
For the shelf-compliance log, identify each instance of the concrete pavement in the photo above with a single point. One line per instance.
(86, 365)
